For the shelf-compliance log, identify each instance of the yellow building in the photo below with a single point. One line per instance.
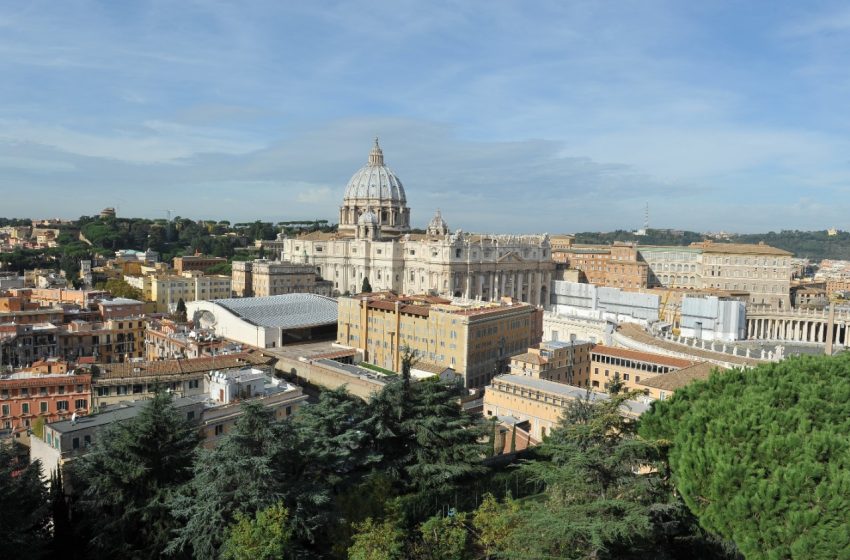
(564, 362)
(632, 366)
(474, 338)
(166, 291)
(536, 405)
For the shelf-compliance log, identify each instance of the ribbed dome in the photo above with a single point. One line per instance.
(375, 181)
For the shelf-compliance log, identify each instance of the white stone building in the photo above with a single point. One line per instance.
(374, 242)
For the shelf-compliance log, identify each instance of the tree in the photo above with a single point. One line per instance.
(762, 456)
(235, 480)
(180, 314)
(428, 443)
(334, 452)
(120, 288)
(367, 287)
(263, 537)
(24, 515)
(130, 476)
(493, 523)
(599, 482)
(444, 538)
(616, 385)
(377, 541)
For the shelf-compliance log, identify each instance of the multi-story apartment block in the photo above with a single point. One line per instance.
(110, 341)
(563, 362)
(23, 344)
(166, 291)
(475, 339)
(165, 340)
(262, 278)
(25, 396)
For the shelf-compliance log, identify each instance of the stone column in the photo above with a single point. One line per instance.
(492, 286)
(520, 285)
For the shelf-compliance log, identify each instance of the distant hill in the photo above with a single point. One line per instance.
(814, 245)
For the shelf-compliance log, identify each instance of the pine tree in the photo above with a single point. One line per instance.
(25, 509)
(366, 287)
(181, 314)
(238, 477)
(130, 477)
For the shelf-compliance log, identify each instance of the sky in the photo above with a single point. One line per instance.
(509, 116)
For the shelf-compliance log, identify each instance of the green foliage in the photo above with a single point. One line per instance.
(366, 288)
(616, 385)
(120, 288)
(429, 444)
(762, 456)
(262, 537)
(444, 538)
(129, 479)
(377, 541)
(180, 312)
(238, 477)
(24, 515)
(493, 524)
(815, 245)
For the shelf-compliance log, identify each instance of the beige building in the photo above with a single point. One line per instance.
(536, 405)
(262, 278)
(633, 367)
(564, 362)
(166, 291)
(761, 270)
(372, 242)
(475, 339)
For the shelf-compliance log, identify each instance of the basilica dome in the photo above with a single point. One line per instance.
(375, 189)
(375, 181)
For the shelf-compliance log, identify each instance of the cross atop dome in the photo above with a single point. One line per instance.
(376, 156)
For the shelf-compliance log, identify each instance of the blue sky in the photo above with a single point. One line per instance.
(509, 116)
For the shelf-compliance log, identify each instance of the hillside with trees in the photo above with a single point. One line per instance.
(814, 245)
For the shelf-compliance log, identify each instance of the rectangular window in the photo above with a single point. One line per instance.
(288, 410)
(190, 415)
(61, 389)
(87, 440)
(81, 404)
(43, 406)
(5, 410)
(61, 405)
(75, 443)
(25, 392)
(42, 391)
(138, 389)
(25, 408)
(219, 429)
(120, 390)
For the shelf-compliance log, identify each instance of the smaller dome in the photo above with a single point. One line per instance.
(437, 225)
(368, 218)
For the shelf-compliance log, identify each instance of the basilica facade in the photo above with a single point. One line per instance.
(374, 241)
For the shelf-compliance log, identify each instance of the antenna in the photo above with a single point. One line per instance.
(646, 217)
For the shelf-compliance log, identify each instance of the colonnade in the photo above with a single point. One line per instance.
(796, 329)
(531, 286)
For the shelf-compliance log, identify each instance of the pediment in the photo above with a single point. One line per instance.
(511, 257)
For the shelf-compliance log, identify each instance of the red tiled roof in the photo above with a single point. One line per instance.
(639, 356)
